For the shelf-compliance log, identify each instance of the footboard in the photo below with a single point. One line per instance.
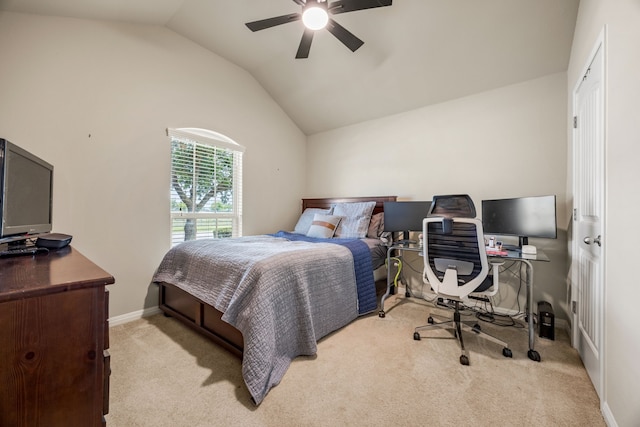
(200, 316)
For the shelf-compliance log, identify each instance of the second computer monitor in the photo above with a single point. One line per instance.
(405, 216)
(523, 217)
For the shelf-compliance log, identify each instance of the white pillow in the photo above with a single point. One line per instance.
(356, 219)
(324, 226)
(304, 222)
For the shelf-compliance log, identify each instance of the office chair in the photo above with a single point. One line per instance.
(452, 206)
(456, 265)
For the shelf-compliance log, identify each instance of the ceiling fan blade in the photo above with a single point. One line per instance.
(343, 6)
(344, 35)
(305, 44)
(272, 22)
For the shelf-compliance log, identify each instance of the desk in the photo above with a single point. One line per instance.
(525, 260)
(513, 255)
(399, 247)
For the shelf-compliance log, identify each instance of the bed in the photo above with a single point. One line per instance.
(269, 298)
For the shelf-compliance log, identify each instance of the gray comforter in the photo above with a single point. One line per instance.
(282, 295)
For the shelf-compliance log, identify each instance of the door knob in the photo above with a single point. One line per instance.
(589, 240)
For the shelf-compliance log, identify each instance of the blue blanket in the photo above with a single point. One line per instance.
(367, 300)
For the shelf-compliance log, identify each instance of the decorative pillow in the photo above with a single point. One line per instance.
(324, 226)
(305, 220)
(356, 219)
(376, 226)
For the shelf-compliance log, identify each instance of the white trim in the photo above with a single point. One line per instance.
(609, 419)
(134, 315)
(206, 136)
(504, 311)
(559, 323)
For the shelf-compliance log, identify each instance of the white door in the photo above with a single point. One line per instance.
(588, 238)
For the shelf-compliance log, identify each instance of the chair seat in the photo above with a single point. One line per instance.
(482, 287)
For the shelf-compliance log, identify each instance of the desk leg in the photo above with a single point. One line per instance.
(533, 354)
(381, 313)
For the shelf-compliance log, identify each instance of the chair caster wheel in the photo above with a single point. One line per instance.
(506, 352)
(533, 355)
(476, 328)
(464, 360)
(430, 320)
(407, 294)
(381, 313)
(416, 336)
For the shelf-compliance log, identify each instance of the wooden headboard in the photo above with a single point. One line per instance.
(325, 203)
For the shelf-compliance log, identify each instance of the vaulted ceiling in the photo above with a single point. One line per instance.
(415, 52)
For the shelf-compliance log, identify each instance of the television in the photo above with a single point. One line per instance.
(405, 216)
(523, 217)
(26, 188)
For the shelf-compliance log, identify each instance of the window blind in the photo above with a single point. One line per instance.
(206, 185)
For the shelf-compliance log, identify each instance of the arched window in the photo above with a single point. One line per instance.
(206, 185)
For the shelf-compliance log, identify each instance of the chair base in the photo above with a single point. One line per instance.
(457, 325)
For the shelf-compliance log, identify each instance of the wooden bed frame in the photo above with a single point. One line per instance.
(205, 319)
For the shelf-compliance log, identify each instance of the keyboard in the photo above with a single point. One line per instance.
(31, 250)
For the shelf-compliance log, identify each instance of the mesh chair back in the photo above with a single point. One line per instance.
(452, 206)
(462, 245)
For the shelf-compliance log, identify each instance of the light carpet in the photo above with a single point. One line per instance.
(371, 372)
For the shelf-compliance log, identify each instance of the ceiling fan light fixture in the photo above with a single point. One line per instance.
(315, 17)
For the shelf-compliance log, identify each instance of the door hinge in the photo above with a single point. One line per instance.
(575, 214)
(575, 122)
(574, 307)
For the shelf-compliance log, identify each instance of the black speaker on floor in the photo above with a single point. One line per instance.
(546, 321)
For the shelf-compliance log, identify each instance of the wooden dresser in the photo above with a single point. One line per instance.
(54, 336)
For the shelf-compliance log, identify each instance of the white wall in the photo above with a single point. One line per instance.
(509, 142)
(94, 99)
(621, 237)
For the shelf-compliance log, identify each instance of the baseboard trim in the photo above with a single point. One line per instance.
(134, 315)
(559, 323)
(608, 416)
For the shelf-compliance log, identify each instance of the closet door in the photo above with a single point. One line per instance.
(588, 238)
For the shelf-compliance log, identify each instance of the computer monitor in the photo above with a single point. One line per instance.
(523, 217)
(26, 187)
(405, 216)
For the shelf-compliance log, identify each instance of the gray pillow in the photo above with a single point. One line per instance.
(376, 226)
(356, 219)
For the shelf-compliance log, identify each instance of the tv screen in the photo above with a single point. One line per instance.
(405, 216)
(523, 217)
(26, 186)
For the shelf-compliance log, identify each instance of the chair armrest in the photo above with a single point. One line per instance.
(495, 272)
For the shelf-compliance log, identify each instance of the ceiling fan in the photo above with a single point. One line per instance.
(315, 16)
